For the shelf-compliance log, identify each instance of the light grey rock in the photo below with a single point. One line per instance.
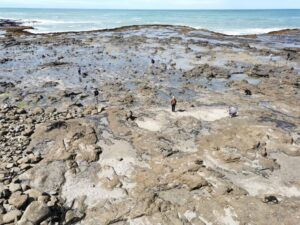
(10, 165)
(36, 212)
(73, 216)
(12, 216)
(33, 193)
(13, 187)
(45, 177)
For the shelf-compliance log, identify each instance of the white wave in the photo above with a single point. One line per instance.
(51, 22)
(69, 28)
(251, 31)
(137, 19)
(46, 30)
(34, 21)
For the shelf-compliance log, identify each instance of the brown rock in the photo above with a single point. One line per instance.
(193, 182)
(73, 216)
(88, 153)
(18, 200)
(34, 194)
(37, 111)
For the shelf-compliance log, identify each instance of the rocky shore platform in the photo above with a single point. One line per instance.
(123, 158)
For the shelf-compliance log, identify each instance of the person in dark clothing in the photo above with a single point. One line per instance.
(173, 103)
(96, 94)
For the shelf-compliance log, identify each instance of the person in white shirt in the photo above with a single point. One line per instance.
(232, 111)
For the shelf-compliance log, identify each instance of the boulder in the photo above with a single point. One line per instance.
(208, 71)
(33, 194)
(18, 200)
(88, 153)
(45, 177)
(37, 111)
(36, 212)
(26, 223)
(13, 187)
(73, 216)
(50, 110)
(261, 71)
(12, 216)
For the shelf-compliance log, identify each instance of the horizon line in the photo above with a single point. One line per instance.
(163, 9)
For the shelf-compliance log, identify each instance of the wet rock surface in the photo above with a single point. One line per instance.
(70, 156)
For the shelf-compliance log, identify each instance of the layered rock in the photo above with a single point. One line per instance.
(69, 156)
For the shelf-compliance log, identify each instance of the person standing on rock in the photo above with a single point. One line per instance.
(173, 103)
(96, 94)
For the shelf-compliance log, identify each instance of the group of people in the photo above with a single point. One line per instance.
(233, 111)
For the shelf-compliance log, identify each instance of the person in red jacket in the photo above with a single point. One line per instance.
(173, 103)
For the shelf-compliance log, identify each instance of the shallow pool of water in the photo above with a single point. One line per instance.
(218, 85)
(131, 86)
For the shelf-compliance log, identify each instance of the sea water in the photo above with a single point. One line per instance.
(225, 21)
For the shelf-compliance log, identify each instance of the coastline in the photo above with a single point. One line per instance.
(231, 22)
(18, 26)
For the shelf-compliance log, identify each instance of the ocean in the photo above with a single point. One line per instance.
(232, 22)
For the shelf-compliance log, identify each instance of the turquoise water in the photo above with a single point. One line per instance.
(225, 21)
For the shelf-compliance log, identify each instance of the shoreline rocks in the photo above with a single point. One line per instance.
(69, 156)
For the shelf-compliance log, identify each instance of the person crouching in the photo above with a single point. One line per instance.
(232, 111)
